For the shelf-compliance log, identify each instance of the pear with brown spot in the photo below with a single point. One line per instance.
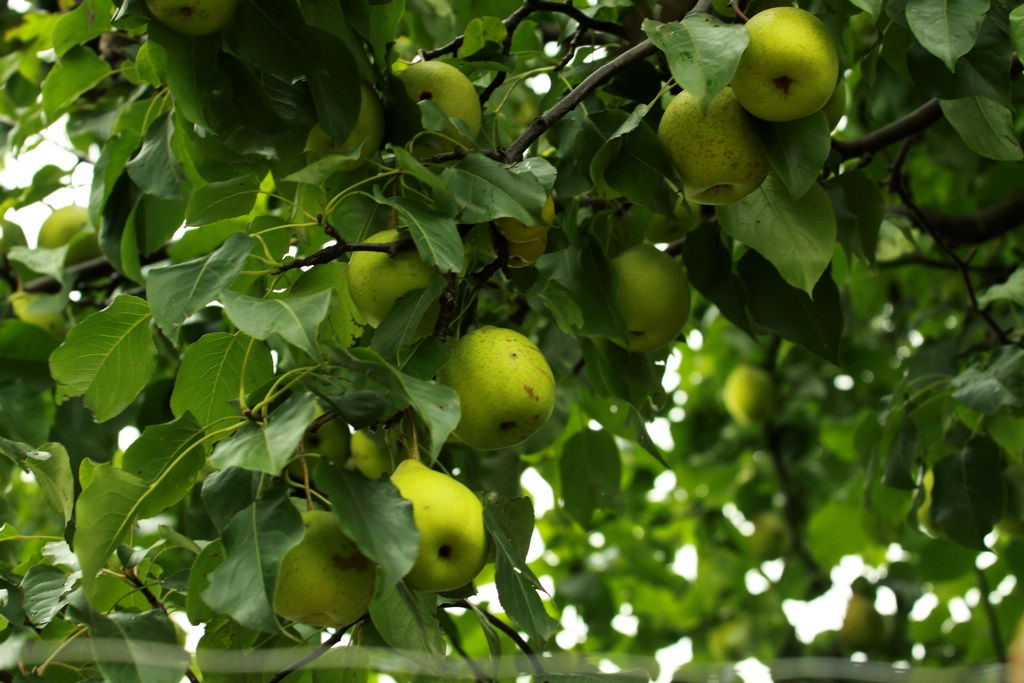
(324, 580)
(505, 386)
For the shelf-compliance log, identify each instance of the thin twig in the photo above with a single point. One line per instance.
(542, 123)
(990, 614)
(318, 652)
(914, 122)
(535, 662)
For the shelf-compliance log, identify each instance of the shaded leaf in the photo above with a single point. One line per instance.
(985, 125)
(590, 472)
(702, 52)
(296, 319)
(266, 446)
(969, 495)
(218, 201)
(946, 28)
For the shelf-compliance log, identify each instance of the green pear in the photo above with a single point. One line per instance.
(663, 229)
(377, 280)
(522, 254)
(365, 137)
(770, 537)
(324, 580)
(863, 628)
(653, 294)
(70, 225)
(450, 90)
(367, 456)
(790, 66)
(505, 386)
(749, 394)
(21, 304)
(331, 440)
(450, 519)
(514, 230)
(193, 17)
(719, 157)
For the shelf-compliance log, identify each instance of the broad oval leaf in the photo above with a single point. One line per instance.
(702, 52)
(985, 125)
(296, 319)
(946, 28)
(109, 357)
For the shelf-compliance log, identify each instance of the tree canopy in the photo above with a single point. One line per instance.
(187, 365)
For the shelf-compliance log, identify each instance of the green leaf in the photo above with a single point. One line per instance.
(797, 236)
(178, 291)
(946, 28)
(591, 472)
(1012, 290)
(405, 619)
(435, 403)
(376, 517)
(76, 72)
(155, 169)
(985, 125)
(1017, 28)
(218, 201)
(815, 322)
(859, 210)
(479, 32)
(516, 582)
(999, 385)
(296, 319)
(255, 540)
(215, 372)
(109, 358)
(133, 647)
(827, 546)
(51, 466)
(208, 559)
(485, 189)
(104, 512)
(267, 445)
(168, 456)
(44, 588)
(435, 234)
(702, 52)
(88, 20)
(969, 495)
(709, 269)
(797, 150)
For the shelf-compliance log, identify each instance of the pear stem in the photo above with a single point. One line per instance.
(414, 446)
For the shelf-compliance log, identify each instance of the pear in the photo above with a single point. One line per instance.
(323, 580)
(367, 456)
(70, 225)
(449, 89)
(522, 254)
(505, 386)
(21, 304)
(193, 17)
(654, 296)
(365, 137)
(790, 66)
(749, 394)
(770, 537)
(449, 517)
(514, 230)
(863, 629)
(719, 157)
(377, 280)
(331, 440)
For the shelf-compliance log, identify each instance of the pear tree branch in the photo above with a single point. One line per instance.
(320, 651)
(877, 140)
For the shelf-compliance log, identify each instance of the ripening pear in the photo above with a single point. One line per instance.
(514, 230)
(21, 304)
(377, 280)
(505, 387)
(749, 394)
(718, 155)
(324, 580)
(448, 88)
(653, 294)
(863, 628)
(790, 66)
(450, 519)
(366, 135)
(194, 17)
(70, 225)
(367, 456)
